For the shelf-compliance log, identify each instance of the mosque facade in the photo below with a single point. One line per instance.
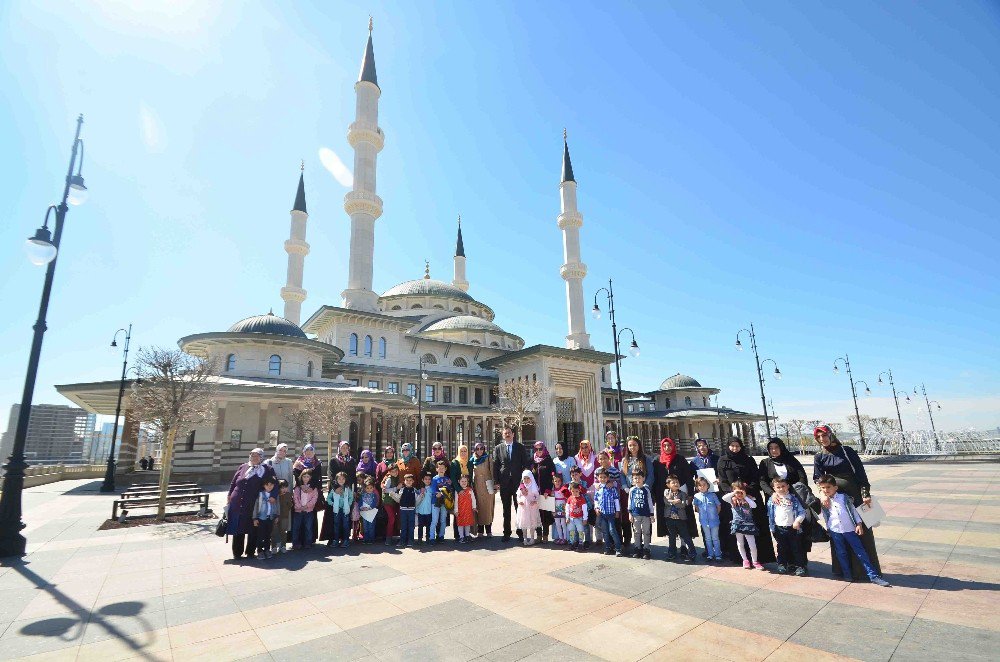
(423, 339)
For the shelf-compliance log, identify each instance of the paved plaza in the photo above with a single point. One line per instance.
(173, 592)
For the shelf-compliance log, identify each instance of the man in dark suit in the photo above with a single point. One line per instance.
(509, 460)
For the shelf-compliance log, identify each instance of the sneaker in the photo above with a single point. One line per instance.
(330, 543)
(618, 553)
(782, 569)
(746, 565)
(758, 566)
(671, 556)
(586, 545)
(609, 552)
(800, 572)
(717, 558)
(705, 555)
(878, 581)
(637, 554)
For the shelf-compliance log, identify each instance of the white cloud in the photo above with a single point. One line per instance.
(151, 129)
(336, 167)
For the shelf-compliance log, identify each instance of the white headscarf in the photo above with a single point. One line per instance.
(256, 470)
(533, 486)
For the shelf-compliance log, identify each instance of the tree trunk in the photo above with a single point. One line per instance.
(166, 462)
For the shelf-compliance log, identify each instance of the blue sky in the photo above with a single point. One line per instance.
(829, 173)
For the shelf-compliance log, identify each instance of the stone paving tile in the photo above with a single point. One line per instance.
(770, 613)
(430, 647)
(220, 606)
(107, 627)
(492, 633)
(703, 598)
(538, 647)
(942, 641)
(400, 629)
(339, 646)
(865, 634)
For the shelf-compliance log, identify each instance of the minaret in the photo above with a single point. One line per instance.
(572, 270)
(297, 249)
(459, 279)
(361, 204)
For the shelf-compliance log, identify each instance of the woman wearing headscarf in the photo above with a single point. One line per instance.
(244, 489)
(612, 443)
(430, 462)
(563, 462)
(634, 458)
(343, 461)
(281, 464)
(542, 467)
(366, 464)
(672, 463)
(844, 464)
(780, 463)
(309, 460)
(704, 457)
(587, 461)
(482, 473)
(736, 465)
(409, 463)
(388, 459)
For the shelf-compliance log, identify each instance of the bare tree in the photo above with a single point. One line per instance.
(883, 425)
(794, 427)
(327, 412)
(518, 400)
(173, 392)
(866, 424)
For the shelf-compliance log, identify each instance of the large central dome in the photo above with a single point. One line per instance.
(464, 322)
(427, 287)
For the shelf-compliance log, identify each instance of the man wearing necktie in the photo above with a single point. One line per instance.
(508, 463)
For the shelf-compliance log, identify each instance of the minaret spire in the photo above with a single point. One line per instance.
(361, 203)
(297, 249)
(573, 269)
(459, 278)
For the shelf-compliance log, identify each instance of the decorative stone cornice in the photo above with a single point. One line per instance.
(297, 247)
(359, 132)
(572, 270)
(569, 219)
(289, 293)
(362, 84)
(362, 202)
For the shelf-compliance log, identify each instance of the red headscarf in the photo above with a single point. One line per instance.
(667, 457)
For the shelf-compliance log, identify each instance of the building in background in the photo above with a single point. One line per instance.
(96, 451)
(57, 434)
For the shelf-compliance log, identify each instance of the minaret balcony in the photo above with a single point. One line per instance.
(296, 247)
(361, 132)
(569, 219)
(289, 293)
(573, 271)
(363, 202)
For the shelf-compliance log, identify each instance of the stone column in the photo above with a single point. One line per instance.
(129, 444)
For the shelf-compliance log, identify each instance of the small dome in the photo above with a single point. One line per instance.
(269, 323)
(679, 381)
(464, 323)
(427, 287)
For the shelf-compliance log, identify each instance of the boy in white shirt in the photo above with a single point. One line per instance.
(843, 523)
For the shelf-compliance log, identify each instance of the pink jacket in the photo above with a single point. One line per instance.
(305, 502)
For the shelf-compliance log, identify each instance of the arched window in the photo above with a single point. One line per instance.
(704, 402)
(368, 345)
(416, 305)
(439, 306)
(397, 308)
(604, 376)
(667, 405)
(475, 342)
(309, 369)
(430, 359)
(460, 363)
(457, 309)
(352, 347)
(381, 348)
(687, 401)
(230, 363)
(494, 344)
(274, 365)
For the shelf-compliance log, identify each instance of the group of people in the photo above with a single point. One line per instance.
(147, 463)
(746, 513)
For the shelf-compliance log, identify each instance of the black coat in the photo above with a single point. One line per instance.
(507, 471)
(543, 474)
(743, 469)
(349, 467)
(682, 469)
(767, 473)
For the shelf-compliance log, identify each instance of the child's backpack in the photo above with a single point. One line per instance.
(445, 498)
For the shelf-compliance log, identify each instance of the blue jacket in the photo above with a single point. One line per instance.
(798, 510)
(425, 501)
(708, 508)
(341, 503)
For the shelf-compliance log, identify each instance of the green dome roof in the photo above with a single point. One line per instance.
(679, 381)
(427, 287)
(269, 323)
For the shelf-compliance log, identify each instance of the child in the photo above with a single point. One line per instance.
(407, 511)
(576, 474)
(284, 522)
(369, 507)
(340, 499)
(608, 505)
(559, 493)
(425, 506)
(528, 516)
(264, 514)
(708, 507)
(675, 515)
(576, 515)
(743, 526)
(785, 514)
(606, 460)
(304, 502)
(441, 489)
(465, 509)
(640, 513)
(845, 528)
(390, 503)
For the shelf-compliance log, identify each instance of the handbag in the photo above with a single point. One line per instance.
(223, 524)
(817, 533)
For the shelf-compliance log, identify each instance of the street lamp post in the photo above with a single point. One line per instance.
(420, 404)
(774, 418)
(109, 473)
(929, 414)
(616, 335)
(760, 372)
(41, 250)
(892, 385)
(854, 394)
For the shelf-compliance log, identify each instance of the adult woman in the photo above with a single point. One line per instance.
(243, 492)
(587, 461)
(843, 463)
(704, 457)
(632, 459)
(734, 466)
(366, 464)
(482, 481)
(672, 463)
(563, 462)
(388, 459)
(437, 453)
(409, 463)
(780, 463)
(308, 460)
(281, 464)
(343, 461)
(542, 469)
(611, 443)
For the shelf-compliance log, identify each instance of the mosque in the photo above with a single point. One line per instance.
(424, 338)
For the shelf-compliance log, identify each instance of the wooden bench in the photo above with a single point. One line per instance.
(156, 486)
(171, 491)
(152, 502)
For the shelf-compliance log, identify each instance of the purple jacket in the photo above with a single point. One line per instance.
(243, 493)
